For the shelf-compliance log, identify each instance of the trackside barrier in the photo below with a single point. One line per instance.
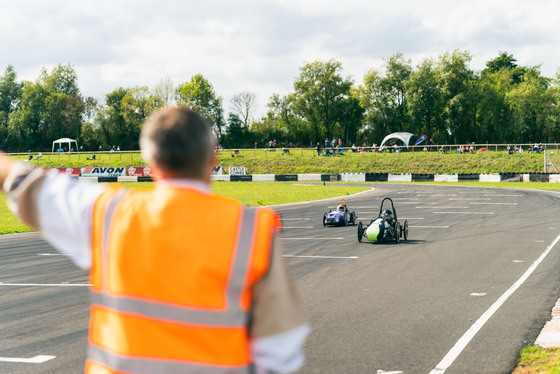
(353, 177)
(309, 177)
(490, 178)
(400, 178)
(422, 177)
(539, 177)
(263, 177)
(554, 178)
(241, 178)
(220, 178)
(356, 177)
(285, 177)
(511, 177)
(377, 177)
(446, 178)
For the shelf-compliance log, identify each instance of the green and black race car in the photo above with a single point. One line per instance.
(385, 227)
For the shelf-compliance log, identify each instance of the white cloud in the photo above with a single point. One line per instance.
(260, 45)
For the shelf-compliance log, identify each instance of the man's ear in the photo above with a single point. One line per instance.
(211, 164)
(157, 171)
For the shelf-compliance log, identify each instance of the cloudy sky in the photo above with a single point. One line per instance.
(259, 45)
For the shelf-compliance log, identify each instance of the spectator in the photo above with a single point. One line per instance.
(168, 294)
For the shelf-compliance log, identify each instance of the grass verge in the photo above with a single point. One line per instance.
(537, 360)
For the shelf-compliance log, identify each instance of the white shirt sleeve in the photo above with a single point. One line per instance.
(64, 208)
(280, 353)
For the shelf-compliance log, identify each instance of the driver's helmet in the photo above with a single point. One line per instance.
(340, 208)
(387, 214)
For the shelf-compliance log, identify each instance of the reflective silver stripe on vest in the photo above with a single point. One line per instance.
(231, 316)
(147, 366)
(115, 200)
(228, 318)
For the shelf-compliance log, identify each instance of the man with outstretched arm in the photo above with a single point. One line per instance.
(183, 281)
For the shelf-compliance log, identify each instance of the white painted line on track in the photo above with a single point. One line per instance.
(473, 213)
(478, 294)
(442, 207)
(430, 195)
(461, 344)
(45, 284)
(297, 227)
(493, 195)
(463, 199)
(429, 227)
(411, 218)
(330, 257)
(493, 203)
(33, 360)
(57, 254)
(311, 238)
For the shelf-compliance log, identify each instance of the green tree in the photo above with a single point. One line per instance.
(458, 89)
(371, 96)
(27, 129)
(551, 131)
(111, 122)
(528, 101)
(10, 97)
(49, 108)
(425, 101)
(398, 71)
(199, 94)
(321, 97)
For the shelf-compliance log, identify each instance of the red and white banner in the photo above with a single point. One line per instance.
(104, 172)
(71, 172)
(139, 171)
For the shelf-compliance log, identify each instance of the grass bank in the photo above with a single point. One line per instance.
(301, 161)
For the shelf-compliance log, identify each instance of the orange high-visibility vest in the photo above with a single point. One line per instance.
(172, 275)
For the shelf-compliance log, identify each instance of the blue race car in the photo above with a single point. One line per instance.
(340, 217)
(385, 227)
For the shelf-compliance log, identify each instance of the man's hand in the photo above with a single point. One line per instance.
(6, 164)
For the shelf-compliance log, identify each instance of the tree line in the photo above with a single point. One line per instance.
(442, 98)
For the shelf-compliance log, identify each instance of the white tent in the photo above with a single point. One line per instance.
(404, 136)
(65, 142)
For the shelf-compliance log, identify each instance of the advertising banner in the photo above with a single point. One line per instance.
(104, 172)
(237, 170)
(139, 171)
(71, 172)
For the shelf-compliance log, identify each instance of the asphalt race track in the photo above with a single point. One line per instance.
(475, 282)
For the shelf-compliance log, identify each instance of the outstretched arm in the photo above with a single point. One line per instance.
(6, 164)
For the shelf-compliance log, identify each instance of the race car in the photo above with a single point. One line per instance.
(385, 227)
(340, 217)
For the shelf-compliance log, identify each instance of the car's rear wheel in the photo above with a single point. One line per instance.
(353, 217)
(324, 220)
(360, 231)
(405, 230)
